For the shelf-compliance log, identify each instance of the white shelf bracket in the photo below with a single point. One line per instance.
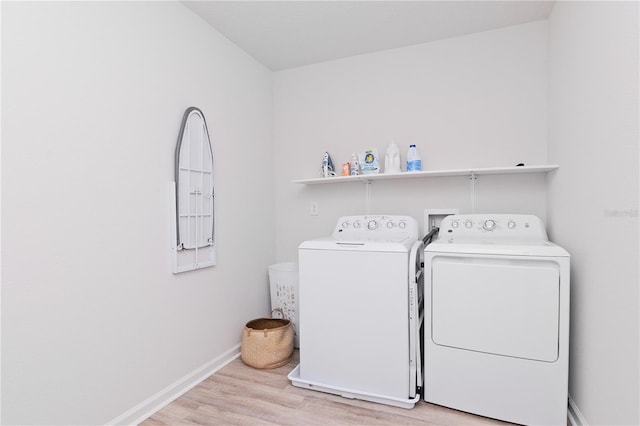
(472, 191)
(367, 196)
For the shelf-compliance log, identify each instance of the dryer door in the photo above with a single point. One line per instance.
(416, 316)
(501, 306)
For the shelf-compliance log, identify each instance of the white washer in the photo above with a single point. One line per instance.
(497, 319)
(359, 311)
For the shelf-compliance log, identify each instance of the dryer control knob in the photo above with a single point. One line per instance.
(468, 224)
(402, 225)
(454, 224)
(372, 225)
(511, 224)
(345, 224)
(356, 224)
(489, 225)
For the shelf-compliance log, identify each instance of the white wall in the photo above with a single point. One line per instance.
(472, 101)
(593, 198)
(93, 323)
(93, 93)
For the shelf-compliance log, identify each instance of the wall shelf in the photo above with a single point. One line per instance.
(430, 173)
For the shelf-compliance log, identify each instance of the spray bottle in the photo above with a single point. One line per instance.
(355, 166)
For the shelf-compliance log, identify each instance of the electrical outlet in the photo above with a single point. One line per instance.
(313, 209)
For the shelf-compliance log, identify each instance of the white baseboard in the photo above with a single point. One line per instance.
(169, 394)
(574, 415)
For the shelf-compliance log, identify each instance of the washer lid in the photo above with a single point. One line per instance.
(329, 243)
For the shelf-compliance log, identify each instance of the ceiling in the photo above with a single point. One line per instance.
(289, 34)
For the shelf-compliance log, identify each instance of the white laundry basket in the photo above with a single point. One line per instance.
(283, 279)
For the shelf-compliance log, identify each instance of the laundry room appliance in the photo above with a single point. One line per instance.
(360, 294)
(496, 323)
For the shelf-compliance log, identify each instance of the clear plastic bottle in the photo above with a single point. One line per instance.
(414, 163)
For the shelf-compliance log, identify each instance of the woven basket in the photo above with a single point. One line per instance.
(267, 342)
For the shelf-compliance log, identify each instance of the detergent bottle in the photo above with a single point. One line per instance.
(392, 159)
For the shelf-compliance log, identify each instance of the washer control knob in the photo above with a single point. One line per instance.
(402, 225)
(345, 224)
(356, 224)
(390, 225)
(454, 224)
(372, 225)
(468, 224)
(489, 225)
(511, 224)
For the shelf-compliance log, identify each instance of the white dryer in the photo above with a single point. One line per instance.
(496, 323)
(360, 298)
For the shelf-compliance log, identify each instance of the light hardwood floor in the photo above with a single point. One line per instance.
(241, 395)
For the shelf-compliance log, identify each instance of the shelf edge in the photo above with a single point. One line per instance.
(431, 173)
